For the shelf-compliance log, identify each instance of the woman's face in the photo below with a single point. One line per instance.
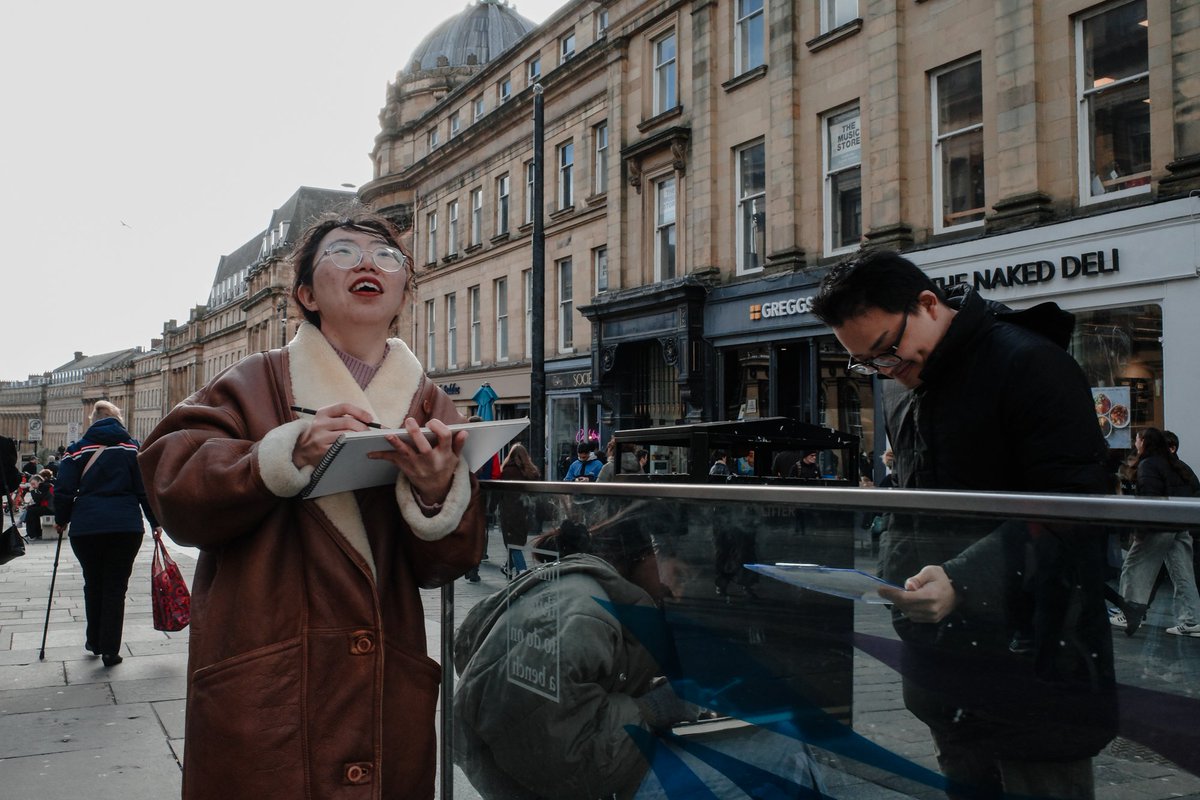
(1139, 443)
(362, 297)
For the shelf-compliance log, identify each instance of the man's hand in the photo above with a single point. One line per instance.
(927, 596)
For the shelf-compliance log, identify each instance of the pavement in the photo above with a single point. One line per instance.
(72, 728)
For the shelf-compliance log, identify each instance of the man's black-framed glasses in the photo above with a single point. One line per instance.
(348, 255)
(887, 359)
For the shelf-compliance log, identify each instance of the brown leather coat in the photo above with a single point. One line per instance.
(308, 675)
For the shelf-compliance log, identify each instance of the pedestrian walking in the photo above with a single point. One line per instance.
(99, 503)
(1160, 473)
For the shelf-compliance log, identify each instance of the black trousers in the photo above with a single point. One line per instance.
(107, 561)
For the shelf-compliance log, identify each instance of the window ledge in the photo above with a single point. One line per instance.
(450, 259)
(472, 248)
(562, 212)
(499, 237)
(596, 199)
(836, 35)
(657, 119)
(525, 227)
(749, 76)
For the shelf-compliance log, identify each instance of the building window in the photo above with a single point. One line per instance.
(533, 69)
(566, 167)
(477, 107)
(500, 289)
(476, 317)
(957, 102)
(528, 192)
(527, 292)
(601, 22)
(600, 265)
(451, 330)
(504, 89)
(664, 229)
(452, 228)
(432, 136)
(477, 216)
(1114, 101)
(665, 78)
(502, 204)
(566, 308)
(455, 124)
(751, 207)
(430, 335)
(566, 47)
(843, 181)
(431, 225)
(836, 13)
(600, 168)
(750, 35)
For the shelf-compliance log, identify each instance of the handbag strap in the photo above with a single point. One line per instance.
(4, 483)
(91, 461)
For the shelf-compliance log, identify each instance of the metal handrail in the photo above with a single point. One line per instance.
(1100, 509)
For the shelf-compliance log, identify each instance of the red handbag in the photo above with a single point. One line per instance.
(169, 596)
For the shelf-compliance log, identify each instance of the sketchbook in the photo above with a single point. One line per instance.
(346, 467)
(853, 584)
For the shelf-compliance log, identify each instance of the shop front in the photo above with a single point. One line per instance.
(774, 358)
(1130, 277)
(571, 415)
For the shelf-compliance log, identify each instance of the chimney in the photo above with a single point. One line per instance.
(78, 356)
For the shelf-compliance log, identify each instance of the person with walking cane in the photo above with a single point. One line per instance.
(101, 497)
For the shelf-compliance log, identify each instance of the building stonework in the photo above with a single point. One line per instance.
(704, 159)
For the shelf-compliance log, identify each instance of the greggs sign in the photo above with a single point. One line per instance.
(781, 308)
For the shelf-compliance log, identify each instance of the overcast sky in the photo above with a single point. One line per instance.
(142, 140)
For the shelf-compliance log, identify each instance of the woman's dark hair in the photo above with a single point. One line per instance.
(355, 218)
(622, 544)
(1153, 444)
(870, 279)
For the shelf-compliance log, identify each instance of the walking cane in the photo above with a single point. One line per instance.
(50, 600)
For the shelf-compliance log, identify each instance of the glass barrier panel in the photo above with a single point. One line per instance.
(644, 641)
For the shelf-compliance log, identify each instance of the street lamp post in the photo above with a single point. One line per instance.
(282, 309)
(537, 288)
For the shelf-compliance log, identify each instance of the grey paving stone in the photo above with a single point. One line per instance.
(170, 716)
(55, 698)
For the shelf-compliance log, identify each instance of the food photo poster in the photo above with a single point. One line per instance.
(1112, 414)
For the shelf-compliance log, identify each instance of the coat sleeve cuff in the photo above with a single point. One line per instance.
(445, 522)
(279, 474)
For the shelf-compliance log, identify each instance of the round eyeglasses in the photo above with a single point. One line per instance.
(887, 359)
(348, 255)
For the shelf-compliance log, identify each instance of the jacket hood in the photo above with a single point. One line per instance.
(1046, 319)
(107, 431)
(487, 613)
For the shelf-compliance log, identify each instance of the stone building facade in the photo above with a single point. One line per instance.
(707, 160)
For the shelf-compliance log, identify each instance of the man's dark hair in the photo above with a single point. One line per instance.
(1172, 441)
(870, 279)
(584, 447)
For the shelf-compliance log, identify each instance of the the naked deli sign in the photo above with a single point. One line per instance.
(1032, 273)
(780, 308)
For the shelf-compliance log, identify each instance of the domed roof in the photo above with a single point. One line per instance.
(484, 30)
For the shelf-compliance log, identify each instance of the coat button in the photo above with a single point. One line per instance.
(362, 644)
(358, 773)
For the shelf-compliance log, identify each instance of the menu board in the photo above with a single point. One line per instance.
(1113, 414)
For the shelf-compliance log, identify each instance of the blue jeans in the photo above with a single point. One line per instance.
(1147, 554)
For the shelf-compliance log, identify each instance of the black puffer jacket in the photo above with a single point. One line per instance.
(1159, 477)
(1003, 407)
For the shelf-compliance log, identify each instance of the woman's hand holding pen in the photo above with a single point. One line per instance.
(328, 424)
(428, 467)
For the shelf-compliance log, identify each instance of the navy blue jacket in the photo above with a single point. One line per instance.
(110, 498)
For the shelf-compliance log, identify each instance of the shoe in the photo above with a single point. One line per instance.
(507, 572)
(111, 659)
(485, 557)
(1185, 629)
(473, 576)
(1118, 620)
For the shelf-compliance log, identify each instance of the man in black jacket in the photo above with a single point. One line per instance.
(1007, 657)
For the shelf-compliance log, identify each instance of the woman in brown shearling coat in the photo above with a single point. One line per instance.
(308, 674)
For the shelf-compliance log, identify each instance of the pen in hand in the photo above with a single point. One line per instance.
(312, 412)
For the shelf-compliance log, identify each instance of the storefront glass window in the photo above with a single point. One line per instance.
(1120, 350)
(845, 402)
(747, 382)
(565, 426)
